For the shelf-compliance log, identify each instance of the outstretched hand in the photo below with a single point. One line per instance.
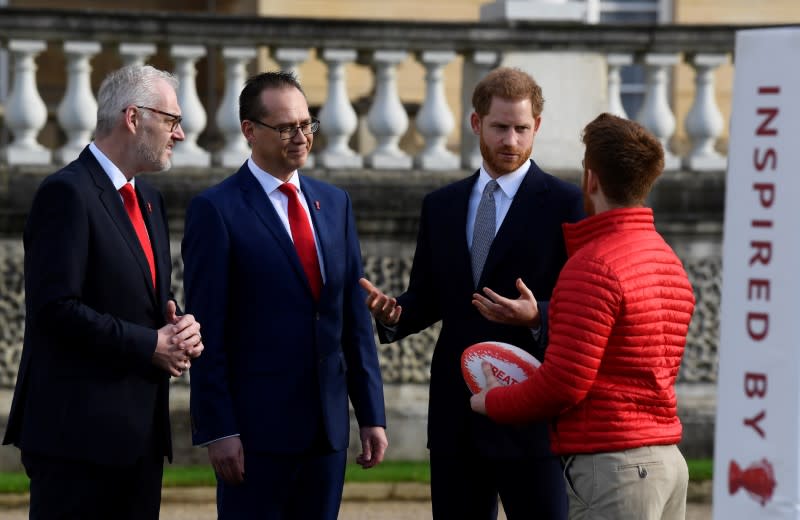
(478, 401)
(382, 307)
(524, 311)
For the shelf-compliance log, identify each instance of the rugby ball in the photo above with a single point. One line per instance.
(510, 364)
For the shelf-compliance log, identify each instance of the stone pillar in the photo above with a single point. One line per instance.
(435, 120)
(477, 64)
(136, 53)
(26, 113)
(615, 63)
(704, 123)
(236, 150)
(77, 112)
(187, 152)
(655, 114)
(337, 115)
(387, 118)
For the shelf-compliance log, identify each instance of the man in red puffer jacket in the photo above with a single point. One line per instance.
(617, 326)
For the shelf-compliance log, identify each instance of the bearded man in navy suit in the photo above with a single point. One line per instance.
(102, 330)
(272, 264)
(499, 228)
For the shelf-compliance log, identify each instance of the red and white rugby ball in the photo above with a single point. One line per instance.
(510, 364)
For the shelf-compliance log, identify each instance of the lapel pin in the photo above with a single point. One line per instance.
(316, 204)
(149, 208)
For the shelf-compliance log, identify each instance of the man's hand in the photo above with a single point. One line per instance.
(187, 331)
(373, 446)
(478, 401)
(227, 457)
(524, 311)
(383, 308)
(177, 342)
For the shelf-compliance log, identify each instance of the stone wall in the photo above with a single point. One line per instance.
(688, 212)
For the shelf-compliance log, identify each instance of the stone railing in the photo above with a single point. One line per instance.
(380, 46)
(387, 182)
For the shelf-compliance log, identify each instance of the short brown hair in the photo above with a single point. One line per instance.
(626, 158)
(250, 106)
(507, 83)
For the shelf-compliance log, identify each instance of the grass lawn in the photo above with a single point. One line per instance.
(389, 471)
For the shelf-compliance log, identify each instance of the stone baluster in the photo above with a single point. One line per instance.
(77, 112)
(387, 119)
(26, 113)
(236, 149)
(655, 114)
(289, 59)
(704, 122)
(593, 12)
(187, 152)
(477, 64)
(435, 120)
(136, 53)
(615, 64)
(337, 115)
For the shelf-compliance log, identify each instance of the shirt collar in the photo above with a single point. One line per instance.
(268, 182)
(509, 183)
(116, 176)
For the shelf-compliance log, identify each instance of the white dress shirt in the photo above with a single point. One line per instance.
(280, 202)
(503, 197)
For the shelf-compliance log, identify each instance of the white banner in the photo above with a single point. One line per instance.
(756, 457)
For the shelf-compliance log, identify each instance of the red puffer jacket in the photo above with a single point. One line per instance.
(618, 320)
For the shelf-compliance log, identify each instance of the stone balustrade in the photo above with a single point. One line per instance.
(379, 46)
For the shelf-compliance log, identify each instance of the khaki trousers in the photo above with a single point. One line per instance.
(646, 483)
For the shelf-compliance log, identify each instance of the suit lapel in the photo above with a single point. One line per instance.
(259, 202)
(517, 219)
(112, 202)
(457, 213)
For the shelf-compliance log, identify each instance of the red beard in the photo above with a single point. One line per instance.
(500, 166)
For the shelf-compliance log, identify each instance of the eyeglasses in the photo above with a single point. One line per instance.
(288, 132)
(174, 120)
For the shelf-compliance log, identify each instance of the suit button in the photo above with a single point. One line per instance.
(316, 316)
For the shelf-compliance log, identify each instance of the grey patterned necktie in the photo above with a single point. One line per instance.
(484, 230)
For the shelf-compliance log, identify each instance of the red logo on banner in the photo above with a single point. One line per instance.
(758, 479)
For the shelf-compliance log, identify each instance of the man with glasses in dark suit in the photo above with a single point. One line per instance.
(102, 331)
(271, 268)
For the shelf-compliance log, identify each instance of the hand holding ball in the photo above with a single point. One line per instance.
(510, 364)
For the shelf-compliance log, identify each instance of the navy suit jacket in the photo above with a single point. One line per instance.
(277, 367)
(87, 388)
(528, 245)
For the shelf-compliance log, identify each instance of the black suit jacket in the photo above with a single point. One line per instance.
(86, 388)
(528, 245)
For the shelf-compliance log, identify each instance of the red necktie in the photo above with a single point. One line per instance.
(135, 214)
(303, 238)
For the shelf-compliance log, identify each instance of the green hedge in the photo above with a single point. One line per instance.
(389, 471)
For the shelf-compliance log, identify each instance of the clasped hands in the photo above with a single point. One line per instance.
(179, 341)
